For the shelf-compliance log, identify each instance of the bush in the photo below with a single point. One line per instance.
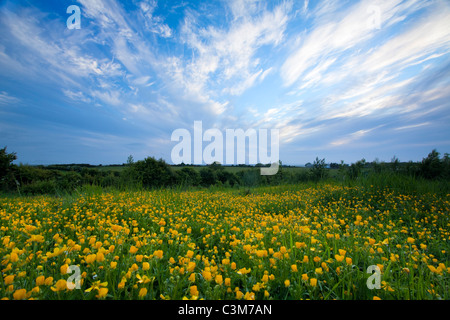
(432, 167)
(250, 178)
(208, 177)
(154, 173)
(188, 177)
(7, 179)
(39, 187)
(318, 170)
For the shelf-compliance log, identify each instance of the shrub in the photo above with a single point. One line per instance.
(154, 173)
(188, 177)
(432, 167)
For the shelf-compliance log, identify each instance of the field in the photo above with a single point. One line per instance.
(281, 242)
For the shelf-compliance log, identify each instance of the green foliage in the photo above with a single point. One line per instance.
(432, 167)
(7, 179)
(355, 169)
(188, 177)
(39, 187)
(318, 171)
(208, 177)
(154, 173)
(250, 178)
(151, 173)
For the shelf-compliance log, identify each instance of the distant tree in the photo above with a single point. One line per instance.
(432, 167)
(251, 178)
(355, 169)
(411, 168)
(208, 176)
(334, 165)
(318, 170)
(216, 166)
(446, 164)
(343, 169)
(376, 165)
(395, 163)
(188, 177)
(130, 160)
(153, 173)
(7, 179)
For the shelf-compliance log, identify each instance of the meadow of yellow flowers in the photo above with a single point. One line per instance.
(284, 242)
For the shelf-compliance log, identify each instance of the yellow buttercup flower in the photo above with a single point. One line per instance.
(91, 258)
(8, 279)
(121, 284)
(100, 257)
(64, 268)
(102, 292)
(191, 266)
(142, 292)
(133, 249)
(244, 271)
(14, 257)
(158, 254)
(249, 296)
(20, 294)
(97, 285)
(60, 285)
(193, 291)
(48, 281)
(207, 275)
(40, 280)
(144, 279)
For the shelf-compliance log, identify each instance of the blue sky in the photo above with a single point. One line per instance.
(337, 84)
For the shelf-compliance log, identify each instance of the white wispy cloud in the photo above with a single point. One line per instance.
(7, 99)
(352, 137)
(109, 97)
(413, 126)
(226, 58)
(76, 95)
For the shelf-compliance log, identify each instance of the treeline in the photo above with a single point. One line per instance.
(151, 173)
